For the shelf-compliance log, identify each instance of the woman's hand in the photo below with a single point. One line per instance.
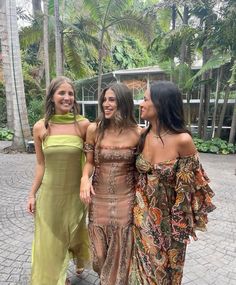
(86, 189)
(31, 205)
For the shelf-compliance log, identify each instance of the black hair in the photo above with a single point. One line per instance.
(167, 100)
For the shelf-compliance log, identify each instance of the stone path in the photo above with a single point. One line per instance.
(210, 261)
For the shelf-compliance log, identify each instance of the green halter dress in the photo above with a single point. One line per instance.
(60, 219)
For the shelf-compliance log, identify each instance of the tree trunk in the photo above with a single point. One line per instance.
(20, 117)
(206, 86)
(6, 60)
(59, 62)
(222, 113)
(36, 5)
(217, 95)
(232, 134)
(45, 43)
(206, 105)
(206, 54)
(183, 48)
(188, 110)
(173, 16)
(38, 14)
(100, 65)
(201, 109)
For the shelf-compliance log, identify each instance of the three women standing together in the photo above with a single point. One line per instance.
(140, 217)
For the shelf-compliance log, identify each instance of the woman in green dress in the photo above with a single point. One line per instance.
(60, 228)
(173, 197)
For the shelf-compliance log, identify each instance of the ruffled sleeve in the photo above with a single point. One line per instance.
(193, 199)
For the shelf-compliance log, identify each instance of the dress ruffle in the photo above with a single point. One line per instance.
(193, 199)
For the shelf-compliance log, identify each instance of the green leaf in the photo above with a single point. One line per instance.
(225, 151)
(214, 149)
(9, 137)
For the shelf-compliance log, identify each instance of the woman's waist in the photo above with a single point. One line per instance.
(60, 188)
(110, 198)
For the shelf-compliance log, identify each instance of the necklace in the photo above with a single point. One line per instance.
(161, 135)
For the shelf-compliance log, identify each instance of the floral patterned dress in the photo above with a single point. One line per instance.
(172, 201)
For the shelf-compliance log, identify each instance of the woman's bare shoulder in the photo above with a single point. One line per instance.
(39, 125)
(185, 144)
(84, 123)
(92, 128)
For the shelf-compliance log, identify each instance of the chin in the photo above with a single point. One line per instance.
(143, 117)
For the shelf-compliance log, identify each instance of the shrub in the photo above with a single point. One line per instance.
(5, 134)
(215, 145)
(35, 109)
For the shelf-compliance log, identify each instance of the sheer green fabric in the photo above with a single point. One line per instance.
(60, 226)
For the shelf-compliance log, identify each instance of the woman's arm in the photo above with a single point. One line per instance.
(86, 188)
(83, 126)
(40, 166)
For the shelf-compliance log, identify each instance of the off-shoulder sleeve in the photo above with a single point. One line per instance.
(193, 199)
(88, 147)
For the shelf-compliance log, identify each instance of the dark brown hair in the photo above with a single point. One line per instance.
(124, 118)
(168, 103)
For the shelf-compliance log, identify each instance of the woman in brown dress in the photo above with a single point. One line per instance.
(172, 192)
(110, 147)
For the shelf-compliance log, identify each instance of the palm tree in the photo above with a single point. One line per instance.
(107, 15)
(58, 40)
(78, 42)
(13, 76)
(7, 66)
(45, 42)
(38, 19)
(232, 134)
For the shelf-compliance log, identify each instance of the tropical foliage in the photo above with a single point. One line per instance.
(98, 36)
(5, 134)
(216, 145)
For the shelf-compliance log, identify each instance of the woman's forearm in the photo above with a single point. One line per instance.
(39, 172)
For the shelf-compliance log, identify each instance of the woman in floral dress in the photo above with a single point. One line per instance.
(173, 197)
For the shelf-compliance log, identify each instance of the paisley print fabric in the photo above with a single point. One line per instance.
(173, 199)
(110, 213)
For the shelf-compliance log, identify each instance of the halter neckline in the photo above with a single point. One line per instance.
(65, 119)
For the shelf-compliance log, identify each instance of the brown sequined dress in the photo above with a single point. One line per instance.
(110, 213)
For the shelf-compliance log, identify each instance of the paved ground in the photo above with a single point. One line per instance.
(210, 261)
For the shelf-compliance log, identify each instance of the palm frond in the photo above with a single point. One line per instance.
(132, 23)
(30, 35)
(95, 8)
(214, 62)
(74, 59)
(232, 79)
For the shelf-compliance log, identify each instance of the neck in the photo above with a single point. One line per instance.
(155, 127)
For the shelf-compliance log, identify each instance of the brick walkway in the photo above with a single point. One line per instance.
(210, 261)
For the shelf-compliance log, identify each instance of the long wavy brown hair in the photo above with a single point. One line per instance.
(124, 117)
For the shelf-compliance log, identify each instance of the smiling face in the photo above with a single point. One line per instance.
(109, 104)
(148, 110)
(63, 99)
